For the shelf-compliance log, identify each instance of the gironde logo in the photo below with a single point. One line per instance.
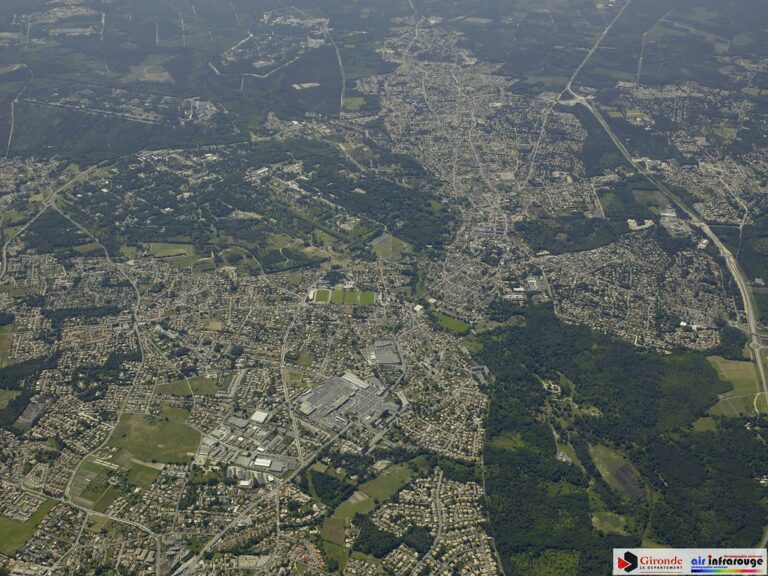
(689, 561)
(628, 562)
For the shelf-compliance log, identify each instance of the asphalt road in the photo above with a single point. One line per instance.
(750, 309)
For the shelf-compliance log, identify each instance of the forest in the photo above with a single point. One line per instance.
(678, 485)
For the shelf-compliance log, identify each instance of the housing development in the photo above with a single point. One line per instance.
(380, 287)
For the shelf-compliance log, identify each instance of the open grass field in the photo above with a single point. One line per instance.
(176, 413)
(336, 552)
(452, 324)
(388, 247)
(377, 490)
(203, 265)
(154, 439)
(13, 535)
(293, 376)
(610, 523)
(322, 296)
(743, 405)
(150, 70)
(617, 471)
(90, 482)
(508, 441)
(201, 386)
(6, 345)
(649, 198)
(97, 523)
(176, 388)
(388, 482)
(357, 555)
(142, 476)
(165, 250)
(333, 530)
(278, 241)
(16, 291)
(705, 424)
(180, 255)
(6, 396)
(85, 248)
(96, 477)
(740, 374)
(358, 503)
(354, 103)
(367, 298)
(129, 251)
(306, 359)
(109, 496)
(743, 399)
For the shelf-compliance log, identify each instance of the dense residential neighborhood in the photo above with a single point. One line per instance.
(380, 287)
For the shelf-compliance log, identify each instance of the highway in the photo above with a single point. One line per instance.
(750, 309)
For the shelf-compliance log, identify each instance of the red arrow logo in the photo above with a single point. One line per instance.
(622, 563)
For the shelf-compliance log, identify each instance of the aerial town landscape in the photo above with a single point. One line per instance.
(380, 287)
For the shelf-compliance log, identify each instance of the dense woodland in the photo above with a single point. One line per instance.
(681, 488)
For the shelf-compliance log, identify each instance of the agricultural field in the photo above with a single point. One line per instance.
(744, 399)
(740, 374)
(107, 498)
